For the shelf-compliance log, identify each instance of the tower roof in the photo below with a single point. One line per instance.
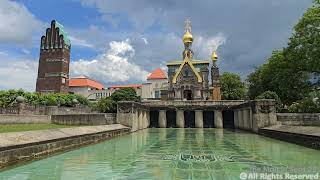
(62, 32)
(157, 74)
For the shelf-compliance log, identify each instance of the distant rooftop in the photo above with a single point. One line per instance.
(126, 86)
(83, 81)
(157, 74)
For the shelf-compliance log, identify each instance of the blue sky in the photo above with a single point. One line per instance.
(119, 42)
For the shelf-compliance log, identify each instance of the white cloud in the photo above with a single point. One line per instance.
(17, 23)
(206, 45)
(80, 42)
(145, 40)
(16, 74)
(115, 65)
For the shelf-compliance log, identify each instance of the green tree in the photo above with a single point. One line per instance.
(309, 104)
(280, 76)
(125, 94)
(109, 104)
(106, 105)
(232, 88)
(287, 71)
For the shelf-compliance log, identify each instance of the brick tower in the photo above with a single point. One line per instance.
(54, 61)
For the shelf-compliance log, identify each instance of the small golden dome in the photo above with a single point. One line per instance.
(187, 37)
(214, 56)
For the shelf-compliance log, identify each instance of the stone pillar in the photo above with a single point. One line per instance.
(199, 118)
(162, 119)
(218, 121)
(235, 119)
(135, 121)
(240, 118)
(140, 120)
(148, 118)
(180, 118)
(145, 120)
(246, 119)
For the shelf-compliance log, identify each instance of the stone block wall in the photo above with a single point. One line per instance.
(299, 119)
(256, 114)
(84, 119)
(24, 119)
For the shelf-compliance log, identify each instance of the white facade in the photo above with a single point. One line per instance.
(152, 89)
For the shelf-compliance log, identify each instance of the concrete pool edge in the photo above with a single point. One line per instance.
(301, 135)
(37, 144)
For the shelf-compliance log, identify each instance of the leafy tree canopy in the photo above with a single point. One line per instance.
(231, 86)
(287, 71)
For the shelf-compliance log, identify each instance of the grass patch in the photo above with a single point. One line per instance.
(29, 127)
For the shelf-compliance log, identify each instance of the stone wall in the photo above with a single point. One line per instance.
(44, 110)
(134, 115)
(24, 119)
(23, 146)
(299, 119)
(256, 114)
(84, 119)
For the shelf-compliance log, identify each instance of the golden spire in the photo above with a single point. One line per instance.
(187, 37)
(214, 56)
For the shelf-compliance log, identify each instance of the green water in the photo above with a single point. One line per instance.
(173, 154)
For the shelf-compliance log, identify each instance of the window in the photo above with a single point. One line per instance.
(157, 94)
(63, 80)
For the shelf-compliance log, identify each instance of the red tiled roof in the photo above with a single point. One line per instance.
(157, 74)
(127, 86)
(85, 82)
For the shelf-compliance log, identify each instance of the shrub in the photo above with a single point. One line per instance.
(309, 104)
(106, 105)
(271, 95)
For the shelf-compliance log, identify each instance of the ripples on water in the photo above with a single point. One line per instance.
(172, 154)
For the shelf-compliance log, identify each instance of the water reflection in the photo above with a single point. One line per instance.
(171, 154)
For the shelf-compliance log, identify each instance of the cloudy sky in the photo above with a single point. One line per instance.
(121, 41)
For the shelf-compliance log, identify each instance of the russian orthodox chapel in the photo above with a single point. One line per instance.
(189, 78)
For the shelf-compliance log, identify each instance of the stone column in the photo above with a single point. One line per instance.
(218, 121)
(240, 118)
(246, 119)
(145, 120)
(235, 119)
(180, 118)
(162, 119)
(148, 118)
(199, 118)
(140, 119)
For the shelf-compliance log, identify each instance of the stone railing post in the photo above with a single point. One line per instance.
(263, 114)
(218, 120)
(180, 118)
(162, 119)
(199, 118)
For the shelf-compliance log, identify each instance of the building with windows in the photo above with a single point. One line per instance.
(84, 86)
(156, 86)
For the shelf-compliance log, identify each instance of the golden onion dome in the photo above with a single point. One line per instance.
(187, 37)
(214, 56)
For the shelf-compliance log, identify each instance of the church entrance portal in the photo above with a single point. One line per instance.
(187, 94)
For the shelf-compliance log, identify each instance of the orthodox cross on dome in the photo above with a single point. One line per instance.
(187, 25)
